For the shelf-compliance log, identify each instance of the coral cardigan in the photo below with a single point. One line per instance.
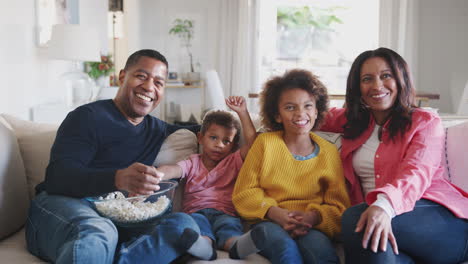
(405, 170)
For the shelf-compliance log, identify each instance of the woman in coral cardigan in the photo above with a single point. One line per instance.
(391, 153)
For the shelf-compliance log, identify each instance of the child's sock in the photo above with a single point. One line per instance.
(197, 245)
(249, 243)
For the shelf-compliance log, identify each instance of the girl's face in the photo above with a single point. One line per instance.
(297, 111)
(378, 87)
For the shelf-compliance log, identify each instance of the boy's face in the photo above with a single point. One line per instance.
(217, 142)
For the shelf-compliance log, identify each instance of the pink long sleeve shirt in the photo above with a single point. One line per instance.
(405, 170)
(210, 189)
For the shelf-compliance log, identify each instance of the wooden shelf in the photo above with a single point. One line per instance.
(183, 86)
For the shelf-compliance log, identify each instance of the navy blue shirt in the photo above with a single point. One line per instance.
(93, 142)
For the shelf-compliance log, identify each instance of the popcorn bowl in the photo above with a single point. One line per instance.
(136, 214)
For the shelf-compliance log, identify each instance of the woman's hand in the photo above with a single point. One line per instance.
(377, 224)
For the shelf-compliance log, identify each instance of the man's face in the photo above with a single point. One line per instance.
(141, 89)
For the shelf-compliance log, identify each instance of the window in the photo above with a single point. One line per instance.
(323, 36)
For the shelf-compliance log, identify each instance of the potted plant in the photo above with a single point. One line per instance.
(301, 26)
(184, 29)
(100, 71)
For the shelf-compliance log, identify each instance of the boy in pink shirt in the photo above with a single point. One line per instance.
(210, 178)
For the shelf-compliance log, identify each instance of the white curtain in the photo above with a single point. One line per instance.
(399, 29)
(236, 54)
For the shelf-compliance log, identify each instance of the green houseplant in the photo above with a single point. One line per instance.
(299, 27)
(184, 29)
(103, 68)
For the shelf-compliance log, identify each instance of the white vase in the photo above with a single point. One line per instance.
(103, 81)
(107, 92)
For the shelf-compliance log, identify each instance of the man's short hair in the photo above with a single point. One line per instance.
(133, 59)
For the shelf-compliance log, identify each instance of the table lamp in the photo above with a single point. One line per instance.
(77, 43)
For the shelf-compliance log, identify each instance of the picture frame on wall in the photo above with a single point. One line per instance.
(52, 12)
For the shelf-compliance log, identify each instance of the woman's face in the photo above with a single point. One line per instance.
(378, 87)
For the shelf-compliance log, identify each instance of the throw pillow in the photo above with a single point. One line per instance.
(455, 149)
(35, 141)
(334, 138)
(14, 198)
(177, 146)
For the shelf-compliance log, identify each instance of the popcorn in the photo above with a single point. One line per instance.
(118, 208)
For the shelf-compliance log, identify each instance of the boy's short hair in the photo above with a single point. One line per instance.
(292, 79)
(221, 118)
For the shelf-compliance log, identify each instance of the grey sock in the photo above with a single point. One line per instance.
(249, 243)
(197, 245)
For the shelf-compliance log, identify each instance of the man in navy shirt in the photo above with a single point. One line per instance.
(102, 147)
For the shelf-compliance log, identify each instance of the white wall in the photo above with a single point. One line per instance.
(443, 55)
(28, 77)
(148, 23)
(155, 18)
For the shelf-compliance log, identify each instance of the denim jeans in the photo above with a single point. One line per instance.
(62, 229)
(314, 247)
(428, 234)
(217, 225)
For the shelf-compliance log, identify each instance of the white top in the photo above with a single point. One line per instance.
(363, 164)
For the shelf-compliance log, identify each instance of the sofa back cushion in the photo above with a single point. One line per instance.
(178, 146)
(456, 163)
(14, 198)
(35, 141)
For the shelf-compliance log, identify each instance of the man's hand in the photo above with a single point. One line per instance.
(236, 104)
(377, 224)
(138, 179)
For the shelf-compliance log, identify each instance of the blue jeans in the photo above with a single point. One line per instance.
(314, 247)
(62, 229)
(428, 234)
(217, 225)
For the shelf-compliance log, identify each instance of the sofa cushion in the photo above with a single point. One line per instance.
(14, 198)
(455, 159)
(177, 146)
(35, 141)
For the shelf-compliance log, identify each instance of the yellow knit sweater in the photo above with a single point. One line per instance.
(271, 176)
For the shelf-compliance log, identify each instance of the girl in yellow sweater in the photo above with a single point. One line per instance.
(292, 180)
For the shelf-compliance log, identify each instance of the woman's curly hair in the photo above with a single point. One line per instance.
(292, 79)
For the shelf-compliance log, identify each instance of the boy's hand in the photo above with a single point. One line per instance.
(236, 104)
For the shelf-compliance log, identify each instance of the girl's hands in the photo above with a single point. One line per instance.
(307, 221)
(281, 217)
(378, 228)
(293, 222)
(236, 104)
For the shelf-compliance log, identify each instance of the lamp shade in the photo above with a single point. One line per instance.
(214, 91)
(74, 42)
